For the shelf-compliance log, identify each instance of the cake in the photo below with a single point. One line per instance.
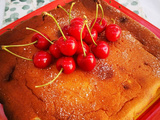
(118, 88)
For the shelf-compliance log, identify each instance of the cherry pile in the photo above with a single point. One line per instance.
(78, 44)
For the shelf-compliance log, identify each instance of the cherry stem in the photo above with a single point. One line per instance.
(51, 80)
(20, 45)
(4, 48)
(96, 17)
(39, 33)
(113, 20)
(90, 33)
(70, 12)
(45, 13)
(63, 9)
(102, 13)
(81, 37)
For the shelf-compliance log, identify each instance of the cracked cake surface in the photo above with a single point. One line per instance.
(118, 88)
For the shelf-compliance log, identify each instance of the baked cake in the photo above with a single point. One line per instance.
(118, 88)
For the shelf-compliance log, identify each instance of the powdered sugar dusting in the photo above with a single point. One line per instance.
(103, 70)
(157, 69)
(63, 21)
(125, 54)
(126, 35)
(116, 10)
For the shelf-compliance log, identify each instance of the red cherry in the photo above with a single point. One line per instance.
(99, 27)
(65, 30)
(101, 50)
(55, 51)
(64, 64)
(79, 47)
(42, 59)
(86, 63)
(75, 30)
(42, 43)
(67, 47)
(88, 38)
(67, 63)
(113, 32)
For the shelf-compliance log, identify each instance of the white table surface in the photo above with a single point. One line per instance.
(11, 10)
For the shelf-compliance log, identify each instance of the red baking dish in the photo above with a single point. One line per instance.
(152, 112)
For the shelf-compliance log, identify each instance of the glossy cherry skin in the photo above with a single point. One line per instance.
(42, 59)
(79, 48)
(101, 50)
(88, 38)
(55, 51)
(42, 43)
(86, 63)
(75, 30)
(65, 30)
(112, 32)
(67, 63)
(67, 47)
(99, 27)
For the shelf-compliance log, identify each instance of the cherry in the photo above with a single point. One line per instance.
(41, 43)
(67, 46)
(75, 29)
(78, 20)
(88, 38)
(101, 49)
(65, 30)
(66, 27)
(86, 62)
(41, 38)
(99, 23)
(91, 35)
(112, 32)
(55, 51)
(67, 63)
(99, 26)
(42, 59)
(80, 49)
(75, 25)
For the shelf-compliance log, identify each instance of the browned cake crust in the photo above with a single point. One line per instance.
(117, 89)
